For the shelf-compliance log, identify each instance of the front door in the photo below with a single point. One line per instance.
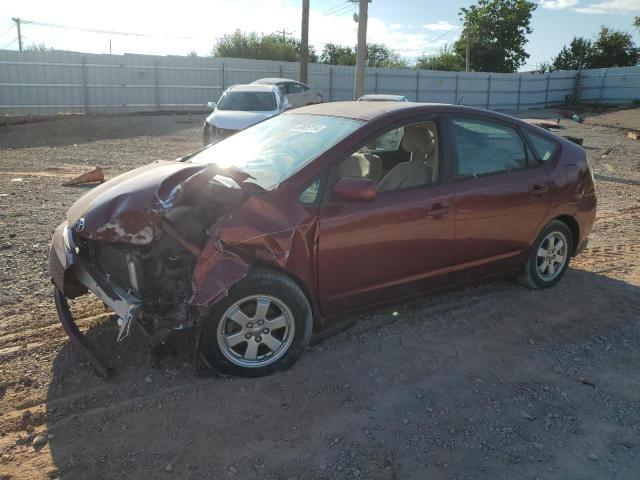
(396, 245)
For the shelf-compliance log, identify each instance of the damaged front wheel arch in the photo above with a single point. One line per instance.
(236, 336)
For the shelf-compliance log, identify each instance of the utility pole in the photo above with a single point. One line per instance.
(283, 33)
(468, 55)
(17, 22)
(361, 54)
(304, 43)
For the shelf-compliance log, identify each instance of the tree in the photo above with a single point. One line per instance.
(614, 48)
(498, 30)
(338, 55)
(611, 48)
(636, 23)
(192, 53)
(38, 47)
(577, 56)
(378, 55)
(446, 59)
(260, 47)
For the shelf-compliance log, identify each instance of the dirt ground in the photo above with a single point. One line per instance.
(487, 382)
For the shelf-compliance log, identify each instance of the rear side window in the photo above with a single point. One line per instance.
(485, 147)
(543, 148)
(297, 88)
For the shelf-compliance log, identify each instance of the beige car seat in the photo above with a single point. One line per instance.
(420, 142)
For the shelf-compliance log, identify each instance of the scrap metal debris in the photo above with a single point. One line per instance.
(94, 176)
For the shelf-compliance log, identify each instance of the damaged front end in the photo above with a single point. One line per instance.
(146, 244)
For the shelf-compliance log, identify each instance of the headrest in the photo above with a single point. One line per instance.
(417, 140)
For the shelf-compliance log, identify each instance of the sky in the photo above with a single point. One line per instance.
(411, 27)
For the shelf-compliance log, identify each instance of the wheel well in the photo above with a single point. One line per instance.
(299, 282)
(573, 226)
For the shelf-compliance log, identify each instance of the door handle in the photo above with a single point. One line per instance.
(538, 190)
(437, 210)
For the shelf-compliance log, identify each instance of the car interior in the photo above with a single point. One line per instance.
(401, 158)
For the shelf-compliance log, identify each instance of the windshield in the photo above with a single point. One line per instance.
(273, 150)
(248, 101)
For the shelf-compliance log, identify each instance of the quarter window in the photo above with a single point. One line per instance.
(484, 147)
(543, 148)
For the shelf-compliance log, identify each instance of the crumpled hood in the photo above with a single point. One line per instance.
(237, 120)
(129, 207)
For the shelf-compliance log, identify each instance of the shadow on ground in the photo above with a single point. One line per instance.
(59, 131)
(494, 381)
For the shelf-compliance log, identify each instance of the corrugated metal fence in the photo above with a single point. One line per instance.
(66, 82)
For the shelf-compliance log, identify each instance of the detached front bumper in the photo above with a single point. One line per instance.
(72, 277)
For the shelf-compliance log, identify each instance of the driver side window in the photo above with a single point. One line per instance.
(397, 159)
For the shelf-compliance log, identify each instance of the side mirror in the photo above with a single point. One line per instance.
(211, 105)
(286, 105)
(355, 189)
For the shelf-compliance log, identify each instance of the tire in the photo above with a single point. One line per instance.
(236, 338)
(535, 274)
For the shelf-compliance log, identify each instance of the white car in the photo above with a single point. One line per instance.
(240, 107)
(297, 93)
(378, 97)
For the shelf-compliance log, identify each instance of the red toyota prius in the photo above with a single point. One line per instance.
(263, 239)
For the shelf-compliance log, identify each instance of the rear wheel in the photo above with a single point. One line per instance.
(262, 326)
(549, 256)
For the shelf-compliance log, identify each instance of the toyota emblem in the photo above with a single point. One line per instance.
(79, 226)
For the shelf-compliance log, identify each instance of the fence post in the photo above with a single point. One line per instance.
(576, 87)
(455, 100)
(418, 86)
(375, 89)
(157, 86)
(280, 70)
(488, 91)
(519, 90)
(84, 85)
(331, 84)
(546, 92)
(604, 81)
(223, 78)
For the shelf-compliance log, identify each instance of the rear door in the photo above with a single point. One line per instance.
(501, 197)
(297, 94)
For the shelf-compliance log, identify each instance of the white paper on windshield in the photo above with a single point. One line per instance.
(306, 128)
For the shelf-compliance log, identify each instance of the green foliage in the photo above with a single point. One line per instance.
(446, 60)
(636, 22)
(338, 55)
(38, 47)
(378, 55)
(261, 47)
(611, 48)
(577, 56)
(614, 48)
(192, 53)
(498, 30)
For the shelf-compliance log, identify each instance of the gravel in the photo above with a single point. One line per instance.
(488, 381)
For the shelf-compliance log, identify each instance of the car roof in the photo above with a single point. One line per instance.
(360, 110)
(272, 81)
(380, 96)
(370, 110)
(253, 88)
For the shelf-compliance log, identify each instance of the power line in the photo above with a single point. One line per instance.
(6, 31)
(12, 41)
(107, 32)
(339, 5)
(340, 10)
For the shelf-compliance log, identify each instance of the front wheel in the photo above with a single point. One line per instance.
(549, 256)
(262, 326)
